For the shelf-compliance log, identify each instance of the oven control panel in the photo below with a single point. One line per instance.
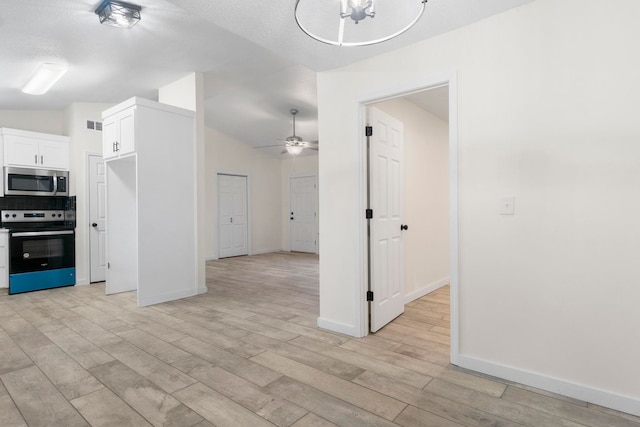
(31, 216)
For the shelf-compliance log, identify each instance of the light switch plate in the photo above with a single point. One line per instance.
(507, 205)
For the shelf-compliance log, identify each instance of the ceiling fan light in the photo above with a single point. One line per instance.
(118, 14)
(294, 150)
(43, 79)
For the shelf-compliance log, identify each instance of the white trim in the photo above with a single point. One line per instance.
(171, 296)
(566, 388)
(202, 290)
(87, 217)
(427, 289)
(266, 251)
(257, 252)
(337, 327)
(454, 238)
(402, 89)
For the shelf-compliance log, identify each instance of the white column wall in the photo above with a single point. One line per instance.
(188, 93)
(548, 101)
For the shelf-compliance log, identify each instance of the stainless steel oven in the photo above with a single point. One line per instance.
(41, 250)
(35, 182)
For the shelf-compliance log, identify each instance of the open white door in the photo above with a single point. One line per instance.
(232, 216)
(386, 201)
(97, 213)
(302, 215)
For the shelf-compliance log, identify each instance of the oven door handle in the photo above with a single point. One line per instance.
(55, 183)
(41, 233)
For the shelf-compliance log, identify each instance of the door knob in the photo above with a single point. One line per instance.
(94, 224)
(404, 227)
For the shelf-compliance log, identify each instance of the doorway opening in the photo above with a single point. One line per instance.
(426, 270)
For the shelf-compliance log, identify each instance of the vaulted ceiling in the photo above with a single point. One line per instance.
(256, 62)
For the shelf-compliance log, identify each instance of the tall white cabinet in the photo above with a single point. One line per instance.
(151, 227)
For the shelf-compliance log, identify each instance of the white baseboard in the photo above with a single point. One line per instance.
(426, 290)
(258, 252)
(265, 251)
(143, 302)
(577, 391)
(82, 281)
(337, 327)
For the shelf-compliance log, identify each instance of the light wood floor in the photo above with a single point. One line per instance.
(248, 354)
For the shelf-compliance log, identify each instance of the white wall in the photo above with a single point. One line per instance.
(224, 154)
(46, 121)
(426, 197)
(293, 167)
(82, 142)
(188, 93)
(548, 101)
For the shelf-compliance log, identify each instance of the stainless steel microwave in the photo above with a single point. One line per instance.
(35, 182)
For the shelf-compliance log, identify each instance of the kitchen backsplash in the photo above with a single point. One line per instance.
(37, 202)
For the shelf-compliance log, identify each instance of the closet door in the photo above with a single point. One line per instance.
(232, 216)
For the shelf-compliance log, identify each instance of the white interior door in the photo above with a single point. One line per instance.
(303, 214)
(232, 216)
(386, 200)
(97, 213)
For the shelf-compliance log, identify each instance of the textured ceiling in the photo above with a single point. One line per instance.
(257, 63)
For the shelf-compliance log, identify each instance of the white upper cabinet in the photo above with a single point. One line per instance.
(118, 133)
(35, 150)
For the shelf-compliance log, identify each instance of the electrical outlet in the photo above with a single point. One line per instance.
(507, 205)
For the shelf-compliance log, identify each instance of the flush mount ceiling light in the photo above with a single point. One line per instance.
(357, 22)
(45, 76)
(118, 14)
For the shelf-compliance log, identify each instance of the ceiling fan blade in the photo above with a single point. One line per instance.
(312, 148)
(267, 146)
(283, 152)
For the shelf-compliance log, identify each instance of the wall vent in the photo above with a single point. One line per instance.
(91, 125)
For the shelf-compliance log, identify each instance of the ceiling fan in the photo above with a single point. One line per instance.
(294, 144)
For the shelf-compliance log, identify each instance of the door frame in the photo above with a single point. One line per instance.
(216, 226)
(315, 227)
(397, 91)
(86, 220)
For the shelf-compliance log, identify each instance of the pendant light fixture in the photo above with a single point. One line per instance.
(118, 14)
(357, 22)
